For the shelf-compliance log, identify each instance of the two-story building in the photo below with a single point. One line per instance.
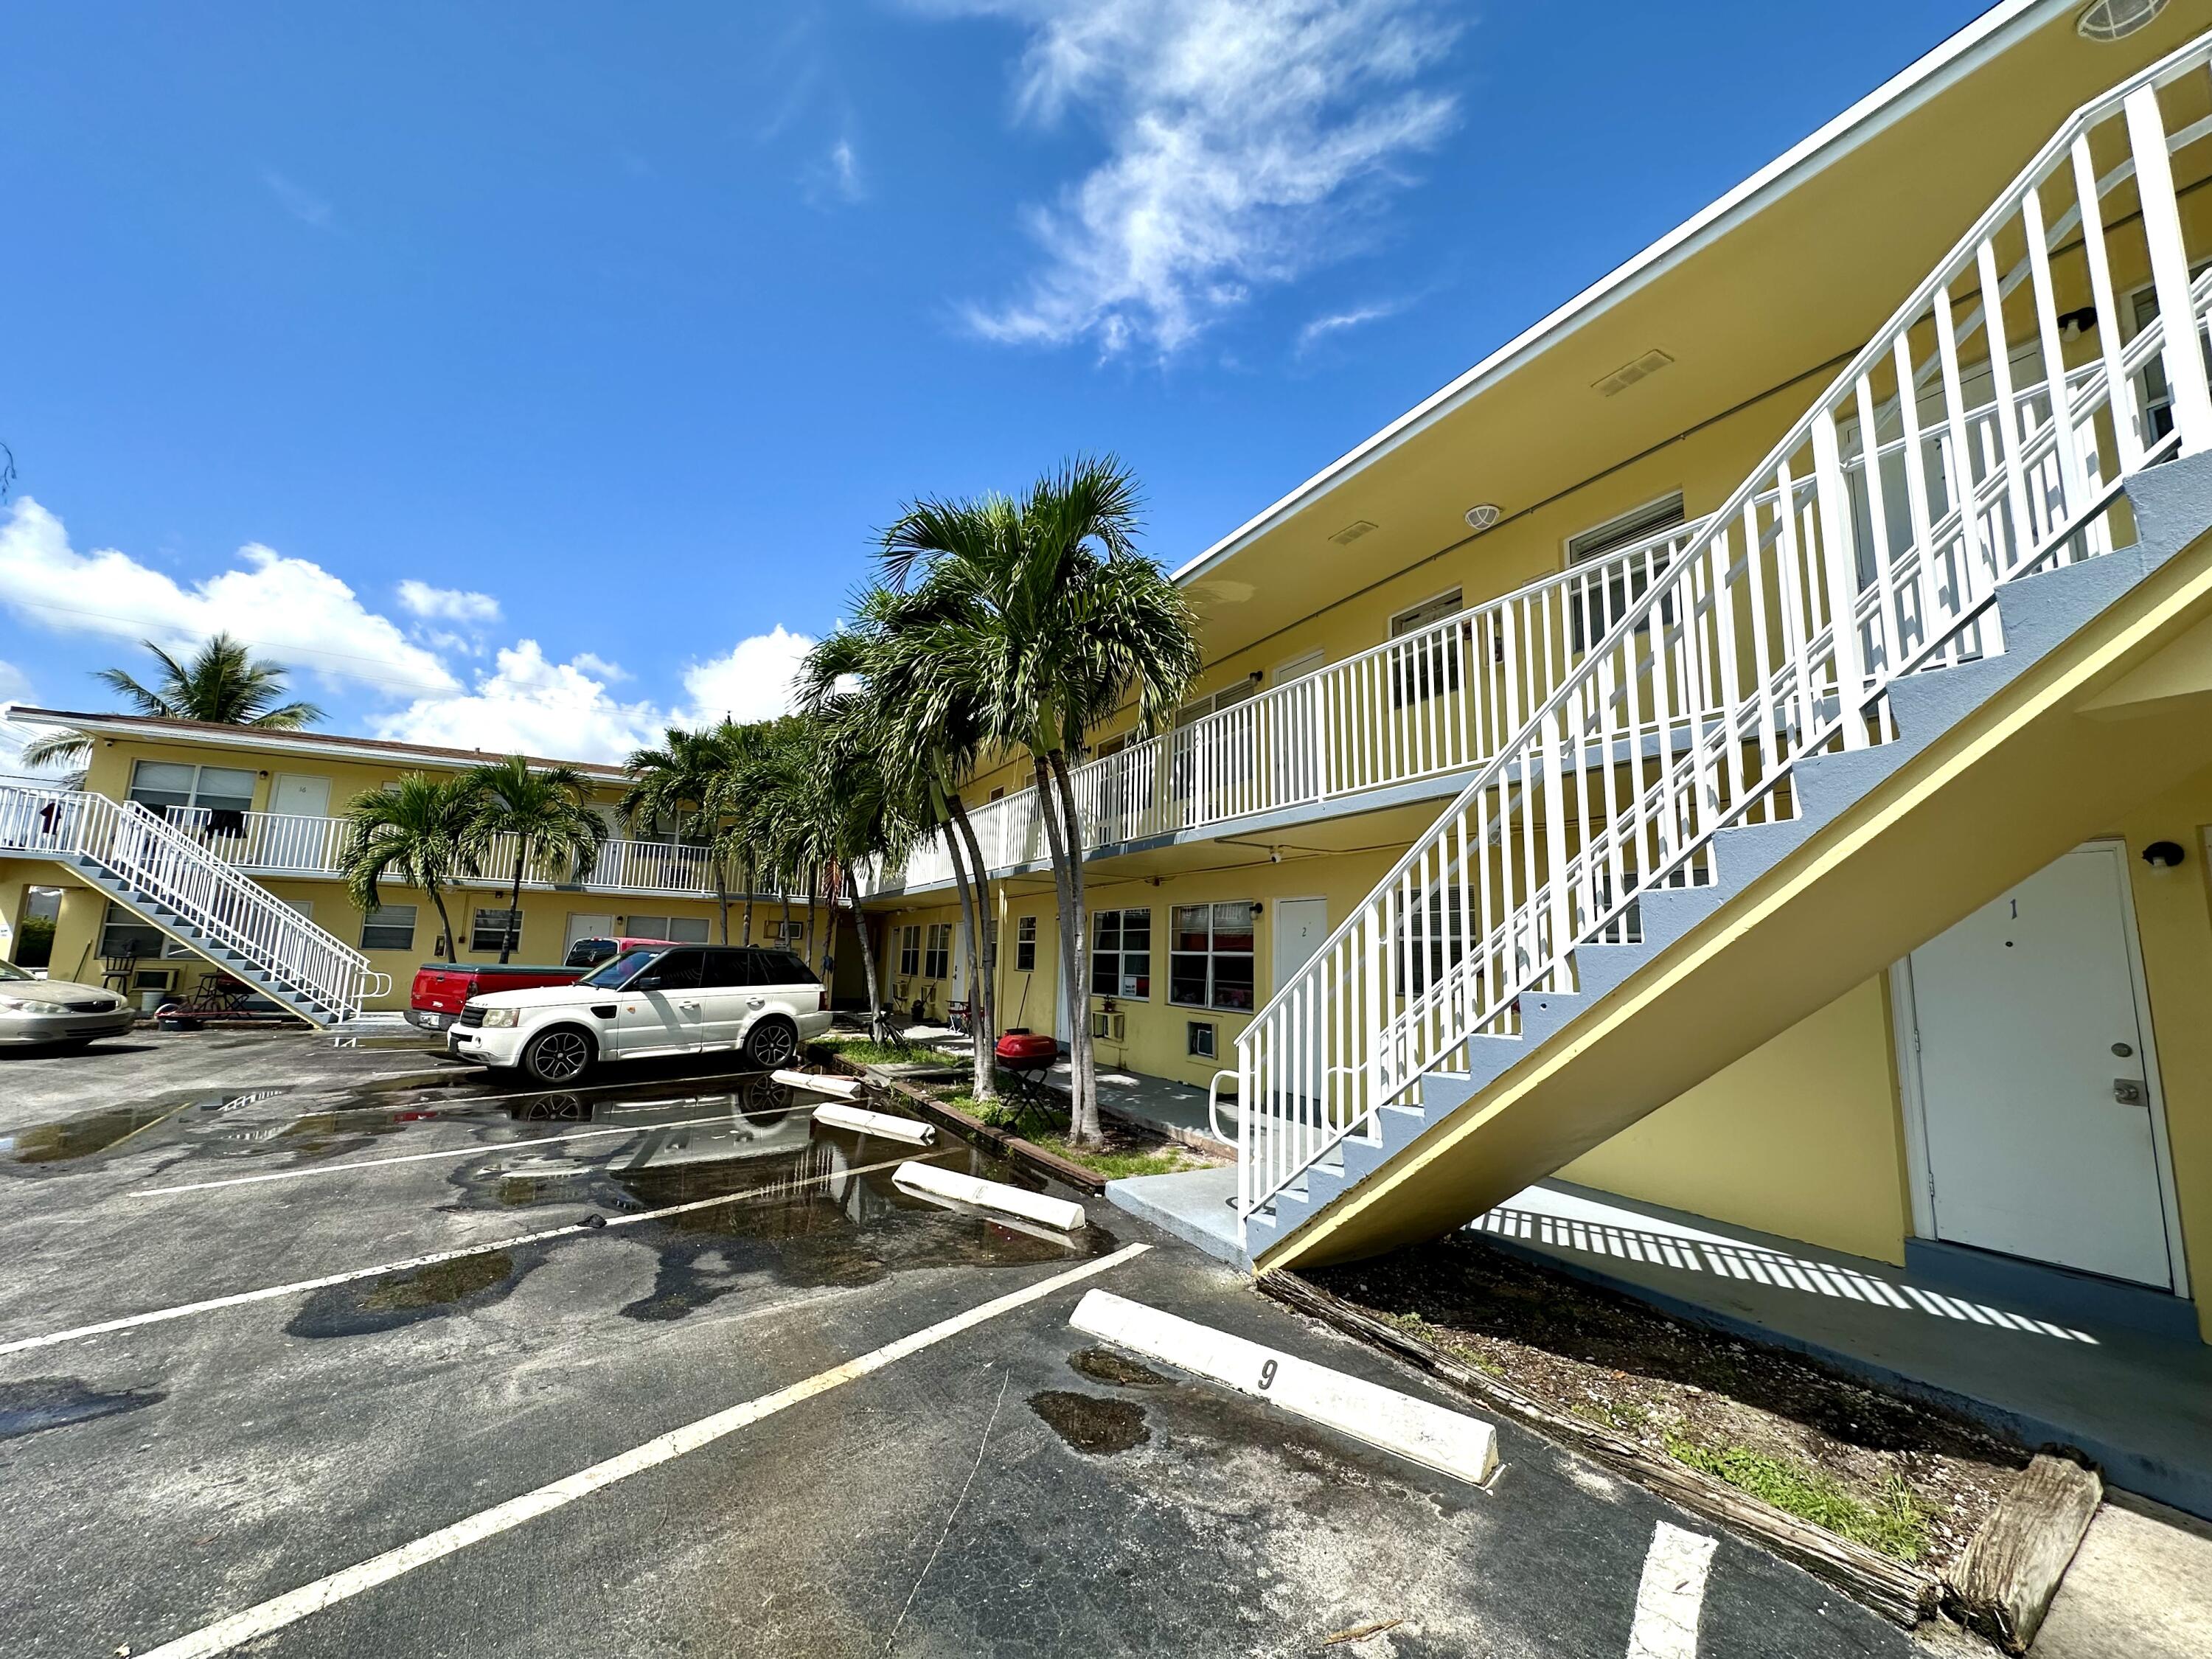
(242, 840)
(1534, 814)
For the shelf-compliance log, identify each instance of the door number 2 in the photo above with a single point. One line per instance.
(1267, 1376)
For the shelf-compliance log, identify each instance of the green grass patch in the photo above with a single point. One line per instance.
(863, 1051)
(1437, 1337)
(1116, 1166)
(1896, 1524)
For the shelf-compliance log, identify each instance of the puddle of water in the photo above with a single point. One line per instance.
(1104, 1365)
(371, 1305)
(145, 1124)
(1099, 1427)
(54, 1403)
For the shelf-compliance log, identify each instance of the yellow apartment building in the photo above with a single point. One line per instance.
(231, 868)
(1744, 746)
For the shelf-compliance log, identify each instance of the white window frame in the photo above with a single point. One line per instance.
(936, 954)
(1026, 944)
(193, 796)
(372, 919)
(1638, 524)
(910, 950)
(501, 919)
(1174, 949)
(1122, 954)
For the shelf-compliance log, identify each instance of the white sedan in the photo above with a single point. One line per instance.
(57, 1013)
(661, 1000)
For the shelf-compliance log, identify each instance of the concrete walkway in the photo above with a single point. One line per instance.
(2139, 1405)
(2139, 1587)
(1177, 1110)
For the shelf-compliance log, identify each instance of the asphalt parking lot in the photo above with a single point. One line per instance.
(765, 1403)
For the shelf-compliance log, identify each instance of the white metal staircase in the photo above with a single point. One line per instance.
(168, 880)
(1781, 666)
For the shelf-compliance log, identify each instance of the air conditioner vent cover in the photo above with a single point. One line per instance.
(1352, 531)
(1629, 374)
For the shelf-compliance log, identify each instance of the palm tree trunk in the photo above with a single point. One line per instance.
(1084, 1130)
(983, 957)
(1071, 989)
(867, 961)
(745, 870)
(981, 1085)
(511, 936)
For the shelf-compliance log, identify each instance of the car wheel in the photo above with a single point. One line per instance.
(562, 1054)
(771, 1043)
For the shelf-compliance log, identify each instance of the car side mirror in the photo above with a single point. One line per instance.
(646, 982)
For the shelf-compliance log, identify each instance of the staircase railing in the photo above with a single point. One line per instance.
(163, 864)
(1897, 506)
(1438, 700)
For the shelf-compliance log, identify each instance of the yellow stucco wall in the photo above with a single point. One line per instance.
(1801, 1137)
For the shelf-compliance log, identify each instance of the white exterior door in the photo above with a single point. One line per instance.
(2037, 1096)
(295, 846)
(584, 924)
(1301, 925)
(301, 796)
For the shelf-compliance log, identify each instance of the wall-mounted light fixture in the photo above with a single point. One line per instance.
(2164, 855)
(1481, 516)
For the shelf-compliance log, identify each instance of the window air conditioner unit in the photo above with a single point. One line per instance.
(1109, 1028)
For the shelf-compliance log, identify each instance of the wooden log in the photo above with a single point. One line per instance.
(2008, 1574)
(1903, 1595)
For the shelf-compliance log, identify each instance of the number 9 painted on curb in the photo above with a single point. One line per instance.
(1266, 1373)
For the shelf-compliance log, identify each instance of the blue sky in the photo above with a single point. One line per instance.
(526, 374)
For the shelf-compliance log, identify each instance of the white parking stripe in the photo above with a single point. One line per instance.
(271, 1292)
(1671, 1595)
(473, 1151)
(289, 1609)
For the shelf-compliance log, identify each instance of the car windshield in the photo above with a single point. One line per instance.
(613, 976)
(10, 971)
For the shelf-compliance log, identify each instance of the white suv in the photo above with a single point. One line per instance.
(659, 999)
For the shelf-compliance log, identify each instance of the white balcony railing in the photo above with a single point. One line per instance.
(1440, 700)
(282, 843)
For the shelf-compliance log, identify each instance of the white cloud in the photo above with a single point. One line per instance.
(836, 179)
(303, 204)
(528, 705)
(447, 603)
(1337, 322)
(292, 611)
(1243, 138)
(566, 710)
(751, 683)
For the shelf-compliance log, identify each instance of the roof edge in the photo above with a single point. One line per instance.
(1926, 76)
(295, 743)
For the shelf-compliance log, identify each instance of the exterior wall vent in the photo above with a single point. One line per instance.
(1629, 374)
(2116, 19)
(1352, 531)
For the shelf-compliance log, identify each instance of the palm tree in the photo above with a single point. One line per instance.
(678, 782)
(740, 754)
(417, 832)
(221, 684)
(548, 811)
(926, 723)
(1043, 607)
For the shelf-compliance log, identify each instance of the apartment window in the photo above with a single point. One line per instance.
(1184, 774)
(936, 961)
(1423, 948)
(1025, 945)
(123, 935)
(1418, 673)
(388, 928)
(1122, 954)
(909, 952)
(169, 785)
(1210, 957)
(684, 930)
(998, 795)
(1197, 1039)
(1593, 609)
(2151, 384)
(489, 929)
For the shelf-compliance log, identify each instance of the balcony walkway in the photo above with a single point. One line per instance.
(2140, 1405)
